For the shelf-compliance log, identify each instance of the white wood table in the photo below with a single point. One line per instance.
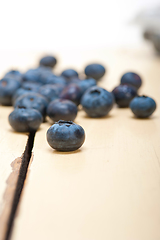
(110, 187)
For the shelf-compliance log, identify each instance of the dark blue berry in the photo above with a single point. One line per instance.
(86, 83)
(8, 87)
(48, 61)
(62, 109)
(72, 92)
(31, 86)
(65, 136)
(142, 106)
(95, 71)
(53, 79)
(97, 102)
(32, 100)
(14, 74)
(123, 95)
(25, 120)
(69, 74)
(51, 92)
(131, 79)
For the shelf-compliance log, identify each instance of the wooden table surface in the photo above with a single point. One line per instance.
(110, 187)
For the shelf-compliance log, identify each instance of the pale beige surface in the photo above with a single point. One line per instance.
(109, 189)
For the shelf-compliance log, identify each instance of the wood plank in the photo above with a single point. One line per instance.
(109, 189)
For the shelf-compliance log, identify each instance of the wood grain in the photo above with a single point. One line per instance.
(109, 189)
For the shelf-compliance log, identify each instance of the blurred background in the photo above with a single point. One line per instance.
(51, 25)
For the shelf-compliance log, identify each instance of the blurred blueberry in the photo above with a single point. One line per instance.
(62, 109)
(65, 136)
(50, 91)
(72, 92)
(69, 73)
(124, 94)
(95, 71)
(8, 86)
(48, 61)
(97, 102)
(25, 120)
(31, 86)
(86, 83)
(32, 100)
(131, 79)
(142, 106)
(53, 79)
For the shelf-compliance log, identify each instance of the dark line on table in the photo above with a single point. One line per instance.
(20, 183)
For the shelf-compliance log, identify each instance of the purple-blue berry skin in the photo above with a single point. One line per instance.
(95, 71)
(62, 109)
(143, 106)
(25, 120)
(97, 102)
(86, 83)
(48, 61)
(72, 92)
(14, 74)
(53, 79)
(8, 86)
(51, 92)
(39, 75)
(31, 86)
(132, 79)
(65, 136)
(32, 100)
(123, 95)
(69, 74)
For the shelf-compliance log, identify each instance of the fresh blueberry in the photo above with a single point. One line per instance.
(86, 83)
(72, 92)
(95, 71)
(18, 93)
(32, 100)
(131, 79)
(62, 109)
(142, 106)
(65, 136)
(8, 86)
(14, 74)
(69, 74)
(25, 120)
(97, 102)
(48, 61)
(123, 95)
(31, 86)
(39, 75)
(53, 79)
(51, 92)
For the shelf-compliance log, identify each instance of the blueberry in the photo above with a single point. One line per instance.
(62, 109)
(32, 100)
(72, 92)
(25, 120)
(65, 136)
(69, 74)
(97, 102)
(131, 79)
(51, 92)
(53, 79)
(18, 93)
(86, 83)
(14, 74)
(31, 86)
(95, 71)
(123, 95)
(142, 106)
(39, 75)
(8, 86)
(48, 61)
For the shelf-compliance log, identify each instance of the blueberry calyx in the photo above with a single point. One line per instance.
(61, 122)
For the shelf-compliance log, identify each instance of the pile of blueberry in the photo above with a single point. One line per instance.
(38, 93)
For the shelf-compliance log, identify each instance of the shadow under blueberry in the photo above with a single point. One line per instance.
(98, 118)
(144, 119)
(65, 153)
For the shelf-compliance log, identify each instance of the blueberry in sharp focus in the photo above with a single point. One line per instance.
(95, 71)
(25, 120)
(142, 106)
(97, 102)
(132, 79)
(8, 86)
(62, 109)
(48, 61)
(65, 136)
(72, 92)
(124, 94)
(32, 100)
(69, 74)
